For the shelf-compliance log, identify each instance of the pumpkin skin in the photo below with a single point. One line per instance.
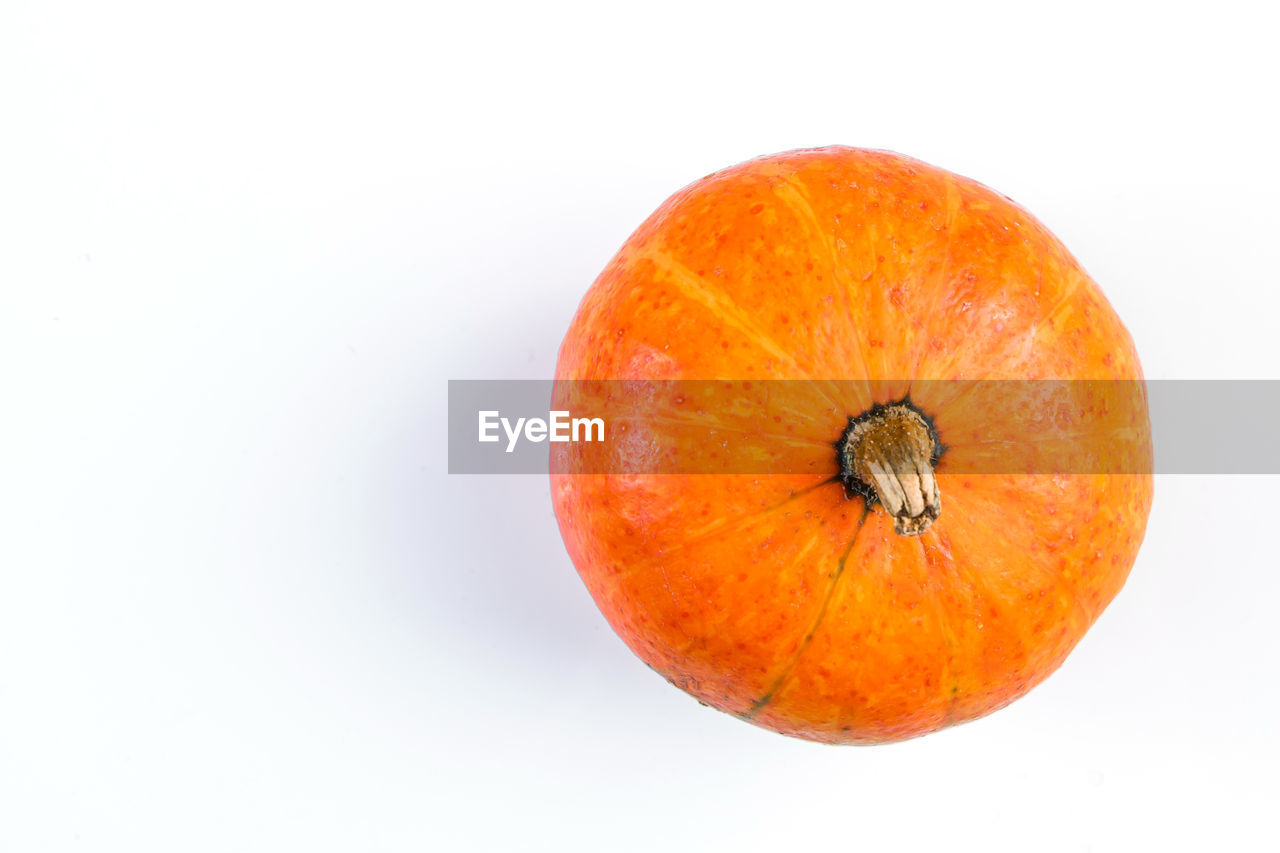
(781, 598)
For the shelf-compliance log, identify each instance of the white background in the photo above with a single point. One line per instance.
(243, 245)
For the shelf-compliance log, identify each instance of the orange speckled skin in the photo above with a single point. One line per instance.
(778, 598)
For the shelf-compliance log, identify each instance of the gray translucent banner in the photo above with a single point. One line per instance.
(793, 426)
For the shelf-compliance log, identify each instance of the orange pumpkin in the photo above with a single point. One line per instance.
(885, 588)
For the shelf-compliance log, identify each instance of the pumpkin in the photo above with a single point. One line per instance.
(891, 585)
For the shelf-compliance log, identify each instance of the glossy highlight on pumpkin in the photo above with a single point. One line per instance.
(785, 599)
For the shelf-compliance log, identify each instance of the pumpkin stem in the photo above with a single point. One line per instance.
(887, 454)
